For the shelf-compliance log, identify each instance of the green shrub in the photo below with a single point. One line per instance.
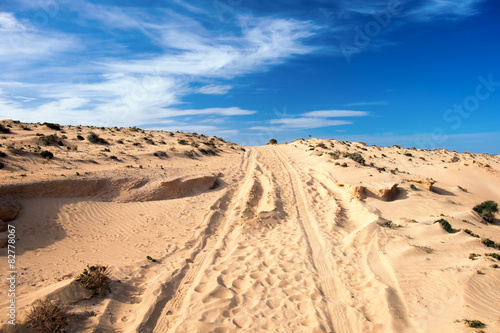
(273, 142)
(46, 154)
(94, 138)
(53, 126)
(79, 137)
(46, 316)
(473, 256)
(151, 259)
(4, 129)
(445, 224)
(95, 278)
(493, 255)
(474, 323)
(182, 142)
(356, 157)
(487, 210)
(413, 187)
(488, 242)
(48, 140)
(467, 231)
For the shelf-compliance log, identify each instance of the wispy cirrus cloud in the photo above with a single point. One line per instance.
(335, 113)
(137, 87)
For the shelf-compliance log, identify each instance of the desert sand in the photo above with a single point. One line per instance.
(293, 237)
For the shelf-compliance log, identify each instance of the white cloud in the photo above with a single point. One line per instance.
(231, 111)
(299, 123)
(122, 90)
(21, 42)
(215, 89)
(448, 9)
(335, 113)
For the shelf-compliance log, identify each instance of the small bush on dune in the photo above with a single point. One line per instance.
(95, 278)
(46, 316)
(4, 129)
(46, 154)
(2, 154)
(79, 137)
(445, 224)
(474, 323)
(273, 142)
(53, 126)
(487, 210)
(94, 138)
(49, 139)
(356, 157)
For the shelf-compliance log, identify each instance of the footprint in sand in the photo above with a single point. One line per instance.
(242, 321)
(218, 293)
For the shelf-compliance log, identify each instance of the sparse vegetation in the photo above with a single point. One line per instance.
(151, 259)
(489, 243)
(46, 154)
(79, 137)
(182, 142)
(474, 323)
(46, 316)
(445, 224)
(321, 145)
(467, 231)
(487, 210)
(273, 142)
(473, 256)
(493, 255)
(95, 278)
(2, 154)
(413, 187)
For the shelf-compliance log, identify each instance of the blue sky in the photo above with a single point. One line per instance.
(416, 73)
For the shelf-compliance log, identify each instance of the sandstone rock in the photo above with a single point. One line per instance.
(427, 183)
(357, 191)
(385, 192)
(8, 209)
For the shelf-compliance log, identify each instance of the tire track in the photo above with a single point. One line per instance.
(342, 316)
(220, 221)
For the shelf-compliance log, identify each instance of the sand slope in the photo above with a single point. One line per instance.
(274, 238)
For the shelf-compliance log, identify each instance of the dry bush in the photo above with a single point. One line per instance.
(47, 317)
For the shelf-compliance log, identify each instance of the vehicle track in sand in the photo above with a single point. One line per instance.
(272, 253)
(220, 222)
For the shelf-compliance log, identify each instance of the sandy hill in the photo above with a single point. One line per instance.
(309, 236)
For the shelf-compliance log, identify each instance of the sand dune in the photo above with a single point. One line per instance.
(285, 238)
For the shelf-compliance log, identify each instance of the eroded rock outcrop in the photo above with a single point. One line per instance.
(358, 191)
(427, 183)
(8, 208)
(384, 191)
